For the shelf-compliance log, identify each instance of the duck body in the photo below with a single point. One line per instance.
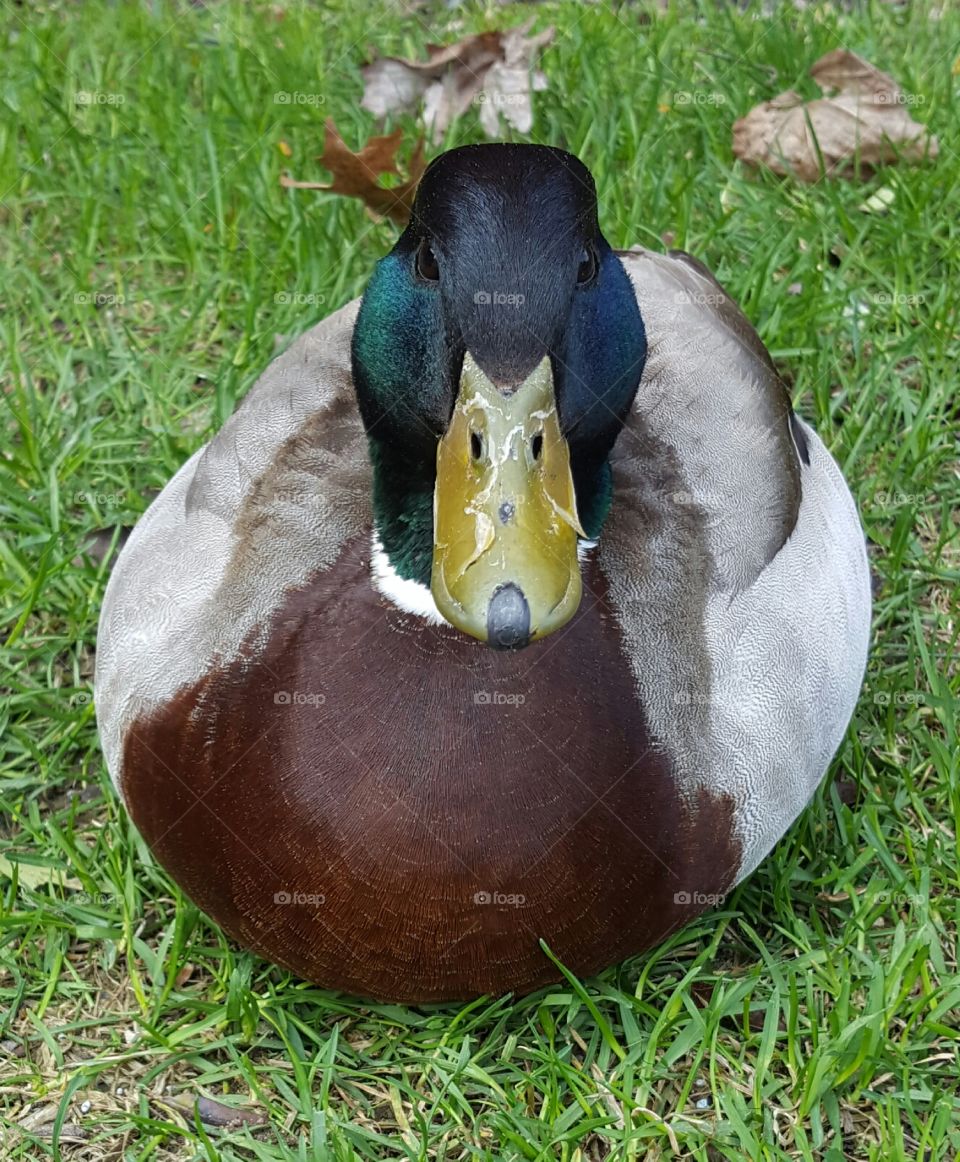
(354, 786)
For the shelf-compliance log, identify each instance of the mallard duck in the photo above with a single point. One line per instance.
(514, 604)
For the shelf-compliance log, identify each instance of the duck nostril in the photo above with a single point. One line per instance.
(536, 445)
(476, 445)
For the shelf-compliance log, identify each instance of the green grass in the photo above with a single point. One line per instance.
(815, 1015)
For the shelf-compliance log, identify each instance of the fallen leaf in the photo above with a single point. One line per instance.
(847, 790)
(729, 198)
(757, 1020)
(879, 202)
(862, 116)
(216, 1113)
(99, 544)
(447, 81)
(492, 69)
(32, 875)
(356, 175)
(70, 1133)
(510, 81)
(284, 149)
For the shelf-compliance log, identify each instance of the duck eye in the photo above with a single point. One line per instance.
(587, 270)
(427, 267)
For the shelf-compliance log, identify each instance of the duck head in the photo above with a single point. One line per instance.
(496, 354)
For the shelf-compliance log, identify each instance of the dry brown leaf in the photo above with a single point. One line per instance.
(356, 175)
(862, 115)
(492, 69)
(216, 1113)
(509, 82)
(32, 875)
(98, 545)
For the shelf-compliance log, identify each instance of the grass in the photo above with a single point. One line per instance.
(149, 260)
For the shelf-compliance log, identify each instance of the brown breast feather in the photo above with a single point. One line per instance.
(396, 811)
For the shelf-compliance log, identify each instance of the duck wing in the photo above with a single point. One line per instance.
(718, 415)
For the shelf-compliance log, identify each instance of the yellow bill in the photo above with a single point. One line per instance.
(505, 524)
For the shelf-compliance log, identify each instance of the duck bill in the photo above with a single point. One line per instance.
(505, 524)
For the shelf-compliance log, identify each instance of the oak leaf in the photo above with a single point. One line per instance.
(357, 175)
(494, 70)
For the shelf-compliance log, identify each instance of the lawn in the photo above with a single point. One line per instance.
(151, 264)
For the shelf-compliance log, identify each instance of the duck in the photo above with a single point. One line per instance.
(506, 625)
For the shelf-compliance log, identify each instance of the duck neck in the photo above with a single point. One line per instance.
(403, 510)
